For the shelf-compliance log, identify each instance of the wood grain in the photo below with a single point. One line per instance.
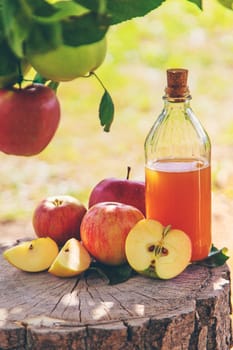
(41, 311)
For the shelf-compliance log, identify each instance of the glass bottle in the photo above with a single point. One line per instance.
(178, 167)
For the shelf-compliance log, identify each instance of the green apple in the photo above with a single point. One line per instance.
(66, 63)
(157, 251)
(32, 256)
(72, 260)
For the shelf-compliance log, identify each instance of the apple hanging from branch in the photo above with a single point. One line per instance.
(125, 191)
(29, 118)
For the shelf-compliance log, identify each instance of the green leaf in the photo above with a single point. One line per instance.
(217, 257)
(79, 25)
(113, 274)
(93, 5)
(85, 29)
(227, 3)
(106, 111)
(58, 11)
(197, 2)
(122, 10)
(9, 63)
(43, 37)
(16, 24)
(39, 26)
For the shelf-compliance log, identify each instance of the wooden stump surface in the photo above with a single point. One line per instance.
(41, 311)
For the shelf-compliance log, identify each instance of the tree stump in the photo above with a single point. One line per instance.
(42, 312)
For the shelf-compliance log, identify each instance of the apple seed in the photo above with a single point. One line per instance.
(151, 248)
(164, 251)
(31, 246)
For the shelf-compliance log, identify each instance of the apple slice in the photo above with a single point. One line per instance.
(72, 260)
(32, 256)
(157, 251)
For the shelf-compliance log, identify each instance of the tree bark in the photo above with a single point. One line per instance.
(39, 311)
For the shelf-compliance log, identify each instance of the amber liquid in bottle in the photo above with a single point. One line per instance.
(178, 174)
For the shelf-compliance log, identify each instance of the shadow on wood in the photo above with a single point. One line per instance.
(43, 312)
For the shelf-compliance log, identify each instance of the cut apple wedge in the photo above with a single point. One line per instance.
(72, 260)
(32, 256)
(157, 251)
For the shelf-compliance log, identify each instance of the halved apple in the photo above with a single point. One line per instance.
(157, 251)
(32, 256)
(72, 260)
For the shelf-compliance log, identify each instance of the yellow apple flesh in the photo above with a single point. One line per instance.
(32, 256)
(157, 251)
(72, 260)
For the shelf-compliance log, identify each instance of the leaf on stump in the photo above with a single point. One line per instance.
(217, 257)
(113, 274)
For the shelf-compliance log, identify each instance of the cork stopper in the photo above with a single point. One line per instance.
(177, 83)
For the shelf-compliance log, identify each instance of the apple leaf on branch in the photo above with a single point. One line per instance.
(197, 2)
(40, 26)
(123, 10)
(43, 26)
(106, 111)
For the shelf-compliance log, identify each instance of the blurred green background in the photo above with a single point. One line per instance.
(81, 154)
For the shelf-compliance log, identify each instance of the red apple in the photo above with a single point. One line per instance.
(104, 229)
(58, 217)
(29, 118)
(125, 191)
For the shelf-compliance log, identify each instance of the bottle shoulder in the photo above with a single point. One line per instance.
(177, 132)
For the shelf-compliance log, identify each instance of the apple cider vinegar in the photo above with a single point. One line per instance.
(178, 193)
(178, 167)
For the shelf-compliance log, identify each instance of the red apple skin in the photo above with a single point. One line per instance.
(104, 229)
(58, 217)
(124, 191)
(29, 118)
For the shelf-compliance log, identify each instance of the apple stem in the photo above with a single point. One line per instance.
(102, 7)
(158, 250)
(128, 172)
(38, 79)
(20, 79)
(53, 85)
(166, 230)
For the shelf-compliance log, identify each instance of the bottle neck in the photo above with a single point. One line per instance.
(177, 100)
